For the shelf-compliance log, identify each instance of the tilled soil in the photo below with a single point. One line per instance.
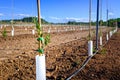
(17, 59)
(105, 65)
(65, 54)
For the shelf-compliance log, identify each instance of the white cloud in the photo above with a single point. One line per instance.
(69, 19)
(110, 14)
(55, 18)
(76, 19)
(40, 16)
(1, 14)
(23, 15)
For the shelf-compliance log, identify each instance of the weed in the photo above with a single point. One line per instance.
(94, 50)
(93, 31)
(100, 33)
(4, 32)
(47, 39)
(103, 51)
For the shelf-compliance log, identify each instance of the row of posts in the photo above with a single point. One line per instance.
(55, 29)
(90, 43)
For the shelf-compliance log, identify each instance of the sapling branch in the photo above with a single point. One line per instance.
(41, 41)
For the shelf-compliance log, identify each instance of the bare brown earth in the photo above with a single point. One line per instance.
(17, 59)
(106, 64)
(64, 55)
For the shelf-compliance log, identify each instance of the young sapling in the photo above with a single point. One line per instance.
(4, 32)
(42, 42)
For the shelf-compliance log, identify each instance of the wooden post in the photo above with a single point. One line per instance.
(39, 20)
(100, 16)
(107, 11)
(12, 16)
(40, 59)
(89, 19)
(101, 23)
(38, 8)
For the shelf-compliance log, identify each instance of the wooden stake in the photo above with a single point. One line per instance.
(39, 21)
(89, 19)
(101, 18)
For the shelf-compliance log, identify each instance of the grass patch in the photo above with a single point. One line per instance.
(103, 51)
(94, 50)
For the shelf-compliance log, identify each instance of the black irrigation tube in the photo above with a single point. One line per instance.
(83, 65)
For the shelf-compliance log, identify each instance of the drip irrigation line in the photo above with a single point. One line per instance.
(84, 63)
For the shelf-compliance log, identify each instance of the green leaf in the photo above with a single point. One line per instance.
(40, 51)
(40, 39)
(47, 39)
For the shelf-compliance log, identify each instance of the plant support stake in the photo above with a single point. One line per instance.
(89, 19)
(97, 24)
(90, 42)
(39, 19)
(101, 23)
(12, 19)
(107, 11)
(40, 59)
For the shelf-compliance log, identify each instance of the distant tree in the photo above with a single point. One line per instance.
(101, 22)
(93, 23)
(118, 22)
(72, 22)
(30, 19)
(112, 22)
(104, 23)
(27, 19)
(43, 21)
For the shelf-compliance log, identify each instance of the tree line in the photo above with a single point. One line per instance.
(109, 23)
(25, 19)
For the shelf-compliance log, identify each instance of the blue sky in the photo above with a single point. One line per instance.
(57, 10)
